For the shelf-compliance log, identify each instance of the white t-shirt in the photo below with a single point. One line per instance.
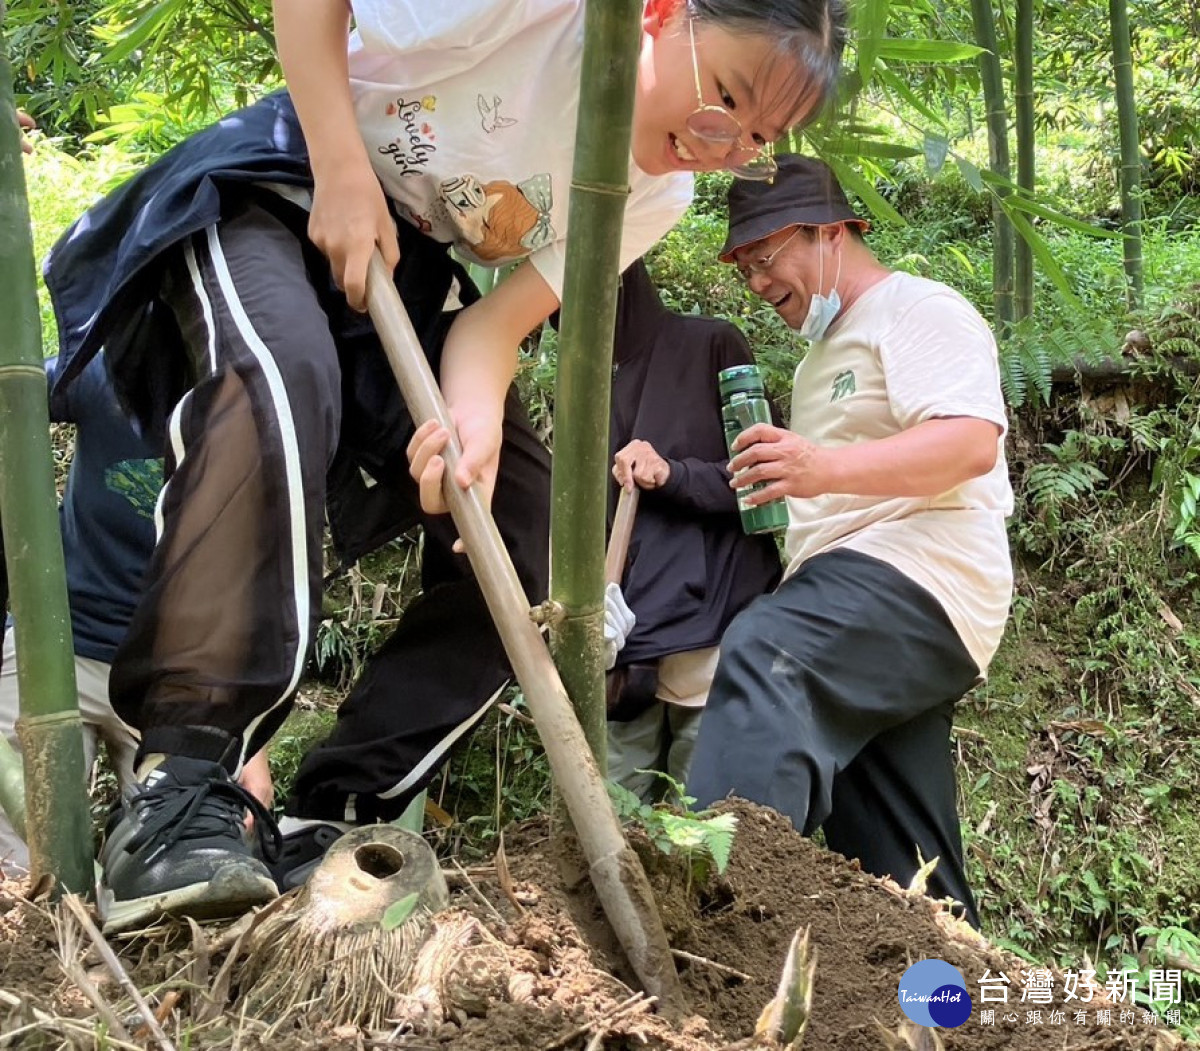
(468, 110)
(906, 351)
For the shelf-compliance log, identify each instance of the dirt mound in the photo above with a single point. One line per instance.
(564, 985)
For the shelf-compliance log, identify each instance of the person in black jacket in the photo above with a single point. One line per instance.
(690, 567)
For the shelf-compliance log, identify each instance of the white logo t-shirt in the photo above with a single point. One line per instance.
(910, 350)
(468, 109)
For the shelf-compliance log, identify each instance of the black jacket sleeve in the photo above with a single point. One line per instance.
(699, 485)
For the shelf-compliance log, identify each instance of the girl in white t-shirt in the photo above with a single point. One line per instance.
(212, 280)
(489, 88)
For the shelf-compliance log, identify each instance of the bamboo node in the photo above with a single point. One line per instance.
(548, 614)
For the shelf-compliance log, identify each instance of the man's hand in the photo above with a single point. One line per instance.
(26, 123)
(785, 463)
(619, 621)
(349, 218)
(928, 459)
(639, 464)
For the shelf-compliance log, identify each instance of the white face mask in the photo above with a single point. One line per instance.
(822, 309)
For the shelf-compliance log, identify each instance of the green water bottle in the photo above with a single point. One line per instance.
(744, 404)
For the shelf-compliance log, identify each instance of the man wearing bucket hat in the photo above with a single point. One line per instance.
(834, 695)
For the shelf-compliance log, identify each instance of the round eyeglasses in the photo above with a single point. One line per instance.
(717, 125)
(746, 271)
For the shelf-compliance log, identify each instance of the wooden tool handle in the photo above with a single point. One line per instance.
(622, 531)
(619, 879)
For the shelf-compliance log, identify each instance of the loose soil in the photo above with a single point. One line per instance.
(568, 987)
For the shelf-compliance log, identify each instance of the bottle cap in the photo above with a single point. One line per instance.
(740, 379)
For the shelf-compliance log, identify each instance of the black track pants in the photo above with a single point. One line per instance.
(429, 684)
(232, 594)
(832, 703)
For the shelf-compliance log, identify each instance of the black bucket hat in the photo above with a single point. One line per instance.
(805, 192)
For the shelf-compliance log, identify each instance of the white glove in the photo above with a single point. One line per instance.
(618, 623)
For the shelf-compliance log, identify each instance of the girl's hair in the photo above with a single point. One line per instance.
(810, 34)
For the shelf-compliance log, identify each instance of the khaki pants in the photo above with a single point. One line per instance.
(636, 749)
(663, 737)
(100, 723)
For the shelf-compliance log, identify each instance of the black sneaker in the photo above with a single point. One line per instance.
(301, 852)
(175, 844)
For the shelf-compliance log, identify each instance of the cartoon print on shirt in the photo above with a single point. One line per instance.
(843, 385)
(498, 220)
(490, 114)
(419, 221)
(413, 147)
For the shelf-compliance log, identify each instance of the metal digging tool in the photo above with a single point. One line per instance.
(615, 871)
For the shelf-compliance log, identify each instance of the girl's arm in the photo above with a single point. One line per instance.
(349, 214)
(478, 365)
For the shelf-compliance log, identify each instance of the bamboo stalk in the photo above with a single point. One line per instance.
(580, 478)
(57, 821)
(617, 874)
(997, 126)
(1131, 160)
(12, 785)
(1026, 142)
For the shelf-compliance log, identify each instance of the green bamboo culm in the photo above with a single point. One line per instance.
(57, 818)
(580, 480)
(997, 127)
(1131, 156)
(1026, 161)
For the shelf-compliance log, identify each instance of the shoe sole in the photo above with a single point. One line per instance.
(231, 891)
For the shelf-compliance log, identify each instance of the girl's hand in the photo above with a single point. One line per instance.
(349, 219)
(256, 779)
(480, 438)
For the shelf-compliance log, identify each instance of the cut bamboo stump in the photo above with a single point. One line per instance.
(332, 955)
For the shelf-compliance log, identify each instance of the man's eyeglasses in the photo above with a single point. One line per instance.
(717, 125)
(764, 264)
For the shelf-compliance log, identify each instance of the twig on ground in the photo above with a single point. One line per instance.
(67, 1027)
(504, 875)
(521, 717)
(67, 932)
(679, 954)
(478, 893)
(162, 1013)
(72, 902)
(636, 1004)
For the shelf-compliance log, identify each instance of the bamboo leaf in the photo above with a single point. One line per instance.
(870, 24)
(895, 84)
(936, 149)
(399, 911)
(1042, 253)
(852, 180)
(1024, 204)
(971, 173)
(926, 50)
(142, 30)
(962, 258)
(848, 146)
